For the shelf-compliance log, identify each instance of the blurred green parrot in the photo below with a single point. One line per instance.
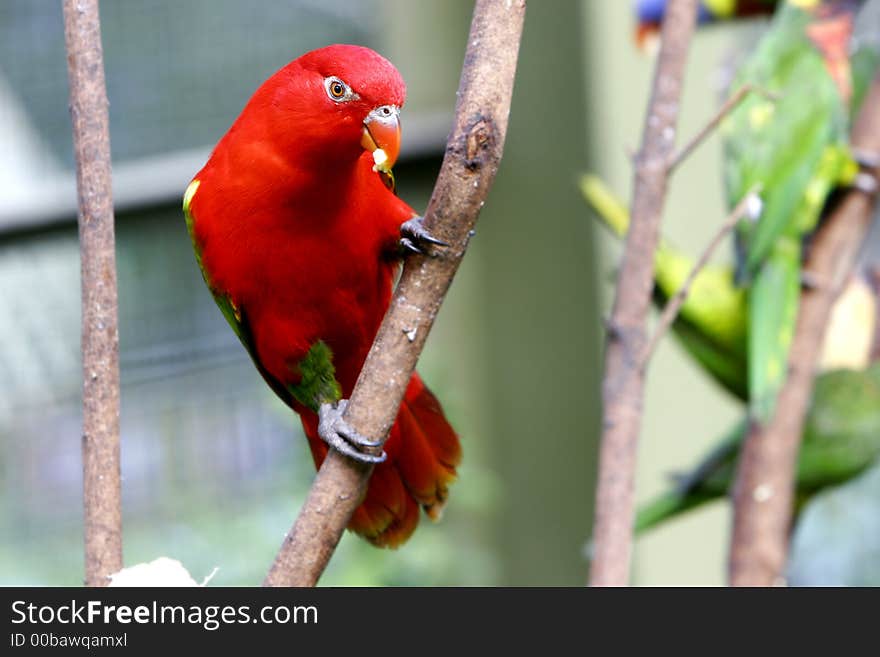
(841, 440)
(794, 147)
(712, 324)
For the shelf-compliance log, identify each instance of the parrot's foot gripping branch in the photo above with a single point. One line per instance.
(867, 159)
(337, 433)
(866, 180)
(415, 237)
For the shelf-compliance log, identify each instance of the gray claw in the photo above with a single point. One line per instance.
(337, 433)
(865, 182)
(811, 281)
(414, 235)
(867, 159)
(407, 244)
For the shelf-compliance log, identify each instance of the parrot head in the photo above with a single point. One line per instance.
(331, 104)
(831, 31)
(649, 16)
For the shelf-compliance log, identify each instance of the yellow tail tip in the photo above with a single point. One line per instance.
(609, 208)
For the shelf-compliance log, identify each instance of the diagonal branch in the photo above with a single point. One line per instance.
(673, 306)
(763, 493)
(623, 385)
(473, 153)
(729, 105)
(100, 337)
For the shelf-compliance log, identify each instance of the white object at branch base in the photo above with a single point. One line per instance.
(159, 572)
(850, 333)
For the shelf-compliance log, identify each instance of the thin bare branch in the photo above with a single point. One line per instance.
(729, 105)
(473, 153)
(100, 338)
(673, 306)
(764, 489)
(623, 385)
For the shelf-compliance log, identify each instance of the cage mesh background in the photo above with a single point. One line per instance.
(177, 72)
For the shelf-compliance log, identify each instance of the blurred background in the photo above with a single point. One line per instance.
(214, 466)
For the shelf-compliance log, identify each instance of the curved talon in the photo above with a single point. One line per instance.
(344, 428)
(811, 281)
(344, 448)
(337, 433)
(414, 236)
(407, 244)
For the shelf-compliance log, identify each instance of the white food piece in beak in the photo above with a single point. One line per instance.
(379, 158)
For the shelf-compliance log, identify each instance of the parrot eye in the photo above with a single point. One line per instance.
(338, 91)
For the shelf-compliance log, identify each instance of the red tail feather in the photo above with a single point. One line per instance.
(423, 451)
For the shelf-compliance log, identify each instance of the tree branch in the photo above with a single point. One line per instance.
(623, 386)
(473, 152)
(729, 105)
(100, 338)
(763, 492)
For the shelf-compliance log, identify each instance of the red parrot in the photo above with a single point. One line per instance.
(299, 236)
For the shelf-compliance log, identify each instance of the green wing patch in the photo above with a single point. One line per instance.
(318, 382)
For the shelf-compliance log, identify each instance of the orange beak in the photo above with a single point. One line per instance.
(381, 136)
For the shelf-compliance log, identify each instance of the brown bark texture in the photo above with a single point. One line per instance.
(623, 383)
(100, 338)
